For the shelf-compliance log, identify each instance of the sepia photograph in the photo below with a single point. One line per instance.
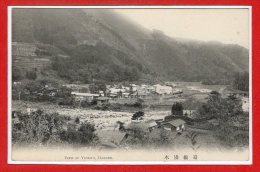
(129, 85)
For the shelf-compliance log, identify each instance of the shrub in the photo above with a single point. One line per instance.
(138, 136)
(32, 75)
(84, 135)
(121, 125)
(41, 128)
(137, 104)
(37, 128)
(16, 74)
(77, 120)
(137, 115)
(66, 101)
(177, 109)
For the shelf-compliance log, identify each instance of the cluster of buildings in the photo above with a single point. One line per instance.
(83, 92)
(115, 138)
(173, 123)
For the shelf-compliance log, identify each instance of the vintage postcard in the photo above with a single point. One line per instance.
(129, 85)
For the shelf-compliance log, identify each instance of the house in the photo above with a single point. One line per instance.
(101, 100)
(126, 88)
(189, 113)
(84, 96)
(133, 126)
(150, 89)
(177, 91)
(152, 124)
(125, 95)
(116, 92)
(141, 94)
(162, 90)
(133, 87)
(177, 125)
(143, 126)
(133, 95)
(113, 95)
(101, 93)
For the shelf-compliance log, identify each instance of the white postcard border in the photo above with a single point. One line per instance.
(9, 128)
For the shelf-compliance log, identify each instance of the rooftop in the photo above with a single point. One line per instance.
(175, 122)
(141, 125)
(84, 94)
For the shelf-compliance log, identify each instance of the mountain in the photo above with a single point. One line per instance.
(102, 45)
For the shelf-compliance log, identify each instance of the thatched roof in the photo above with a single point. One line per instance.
(140, 125)
(175, 122)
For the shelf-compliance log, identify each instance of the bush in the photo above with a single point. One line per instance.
(37, 128)
(137, 104)
(84, 135)
(103, 106)
(138, 136)
(159, 138)
(41, 128)
(66, 101)
(177, 109)
(32, 75)
(16, 74)
(137, 115)
(77, 120)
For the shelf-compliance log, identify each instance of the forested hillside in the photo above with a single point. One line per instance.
(102, 45)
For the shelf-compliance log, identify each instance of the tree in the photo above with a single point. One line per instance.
(241, 81)
(16, 74)
(85, 135)
(221, 108)
(225, 110)
(137, 115)
(101, 87)
(33, 86)
(32, 75)
(177, 109)
(77, 120)
(38, 128)
(121, 125)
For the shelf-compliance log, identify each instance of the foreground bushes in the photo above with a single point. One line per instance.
(42, 128)
(84, 135)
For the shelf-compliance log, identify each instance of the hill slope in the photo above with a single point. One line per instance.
(102, 45)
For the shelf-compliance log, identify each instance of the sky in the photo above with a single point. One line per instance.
(230, 26)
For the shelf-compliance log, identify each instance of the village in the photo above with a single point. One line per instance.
(124, 93)
(122, 114)
(145, 111)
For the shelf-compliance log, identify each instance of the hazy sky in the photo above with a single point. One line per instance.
(223, 25)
